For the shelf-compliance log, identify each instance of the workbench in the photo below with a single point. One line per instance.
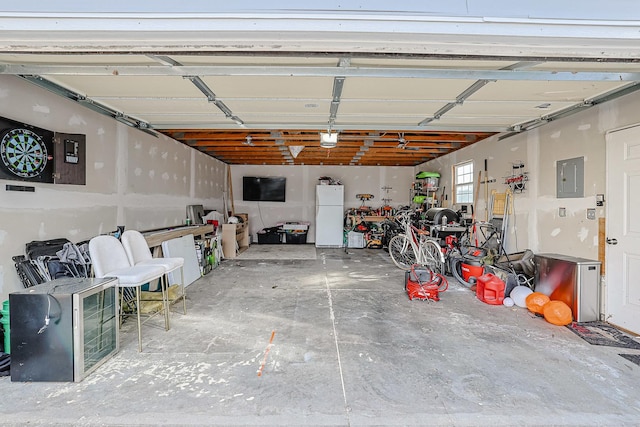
(155, 238)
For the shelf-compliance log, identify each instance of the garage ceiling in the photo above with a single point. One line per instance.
(388, 103)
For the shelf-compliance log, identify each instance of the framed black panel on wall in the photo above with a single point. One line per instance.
(26, 152)
(70, 158)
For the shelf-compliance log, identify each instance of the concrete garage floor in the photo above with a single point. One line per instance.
(335, 341)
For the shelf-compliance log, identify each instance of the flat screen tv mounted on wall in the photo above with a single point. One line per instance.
(263, 189)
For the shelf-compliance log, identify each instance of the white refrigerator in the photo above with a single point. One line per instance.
(329, 215)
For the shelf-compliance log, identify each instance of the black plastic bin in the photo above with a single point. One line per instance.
(270, 236)
(295, 237)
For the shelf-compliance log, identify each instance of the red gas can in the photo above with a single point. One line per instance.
(490, 289)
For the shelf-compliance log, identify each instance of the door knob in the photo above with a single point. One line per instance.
(612, 241)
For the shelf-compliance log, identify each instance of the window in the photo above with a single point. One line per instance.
(464, 182)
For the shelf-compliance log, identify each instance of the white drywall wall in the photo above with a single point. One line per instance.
(536, 223)
(300, 202)
(133, 179)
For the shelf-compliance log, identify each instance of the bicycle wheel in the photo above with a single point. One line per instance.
(432, 256)
(401, 252)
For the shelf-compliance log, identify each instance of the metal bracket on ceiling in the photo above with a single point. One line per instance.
(338, 83)
(476, 86)
(202, 87)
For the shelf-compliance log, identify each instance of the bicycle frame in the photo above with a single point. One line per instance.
(420, 244)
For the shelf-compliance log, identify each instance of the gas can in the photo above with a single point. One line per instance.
(490, 289)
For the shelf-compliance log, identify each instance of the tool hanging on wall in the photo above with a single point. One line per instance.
(386, 200)
(518, 178)
(486, 190)
(474, 230)
(228, 201)
(364, 198)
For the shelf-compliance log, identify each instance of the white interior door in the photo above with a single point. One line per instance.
(623, 229)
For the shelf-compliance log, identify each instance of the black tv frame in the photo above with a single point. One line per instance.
(264, 188)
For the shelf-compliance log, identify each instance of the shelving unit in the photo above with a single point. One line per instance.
(427, 187)
(235, 237)
(353, 220)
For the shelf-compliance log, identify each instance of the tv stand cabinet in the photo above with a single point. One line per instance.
(235, 237)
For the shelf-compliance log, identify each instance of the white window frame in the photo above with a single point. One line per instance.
(464, 183)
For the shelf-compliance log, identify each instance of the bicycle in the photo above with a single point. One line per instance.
(414, 246)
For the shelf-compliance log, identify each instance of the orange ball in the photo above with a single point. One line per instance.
(557, 313)
(536, 301)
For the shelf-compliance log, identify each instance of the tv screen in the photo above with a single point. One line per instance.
(263, 189)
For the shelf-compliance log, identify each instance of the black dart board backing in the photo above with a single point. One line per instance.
(26, 152)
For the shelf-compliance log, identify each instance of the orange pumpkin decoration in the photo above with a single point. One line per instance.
(536, 301)
(557, 313)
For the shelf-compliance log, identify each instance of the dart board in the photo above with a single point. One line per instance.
(25, 155)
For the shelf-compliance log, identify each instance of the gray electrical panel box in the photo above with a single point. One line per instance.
(570, 178)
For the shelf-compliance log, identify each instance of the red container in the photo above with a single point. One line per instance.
(490, 289)
(470, 268)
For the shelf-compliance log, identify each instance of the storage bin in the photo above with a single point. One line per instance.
(295, 226)
(431, 180)
(295, 237)
(355, 240)
(431, 183)
(269, 236)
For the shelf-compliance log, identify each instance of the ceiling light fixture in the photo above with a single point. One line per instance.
(328, 139)
(402, 143)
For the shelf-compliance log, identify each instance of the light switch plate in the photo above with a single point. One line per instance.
(591, 213)
(562, 212)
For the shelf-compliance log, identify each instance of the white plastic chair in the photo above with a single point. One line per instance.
(138, 253)
(109, 259)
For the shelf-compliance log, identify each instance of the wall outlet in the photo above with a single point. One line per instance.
(562, 212)
(591, 213)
